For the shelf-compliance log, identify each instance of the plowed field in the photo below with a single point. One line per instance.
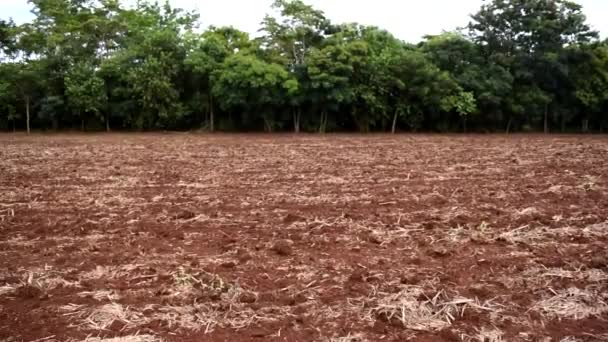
(186, 237)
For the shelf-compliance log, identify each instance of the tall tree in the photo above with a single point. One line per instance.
(8, 94)
(290, 37)
(418, 86)
(485, 77)
(329, 70)
(27, 81)
(255, 87)
(86, 92)
(531, 36)
(208, 53)
(589, 74)
(153, 57)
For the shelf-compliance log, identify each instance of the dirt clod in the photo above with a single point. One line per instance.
(243, 255)
(27, 291)
(410, 279)
(440, 252)
(357, 276)
(374, 238)
(185, 215)
(228, 264)
(248, 297)
(283, 247)
(291, 218)
(599, 262)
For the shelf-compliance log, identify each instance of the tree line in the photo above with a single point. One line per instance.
(98, 64)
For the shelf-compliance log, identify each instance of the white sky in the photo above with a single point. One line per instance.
(409, 20)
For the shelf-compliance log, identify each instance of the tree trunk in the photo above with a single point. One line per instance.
(82, 124)
(509, 125)
(211, 116)
(108, 123)
(395, 116)
(267, 126)
(563, 123)
(323, 124)
(14, 127)
(267, 121)
(297, 114)
(366, 124)
(464, 124)
(585, 126)
(547, 118)
(27, 114)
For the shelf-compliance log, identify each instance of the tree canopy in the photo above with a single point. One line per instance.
(94, 65)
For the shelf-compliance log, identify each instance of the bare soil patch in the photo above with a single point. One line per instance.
(183, 237)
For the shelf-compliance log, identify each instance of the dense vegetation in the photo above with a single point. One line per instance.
(98, 64)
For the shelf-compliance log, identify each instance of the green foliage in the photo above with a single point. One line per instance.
(145, 65)
(247, 83)
(85, 90)
(463, 103)
(531, 39)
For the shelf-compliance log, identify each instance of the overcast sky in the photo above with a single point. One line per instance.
(407, 19)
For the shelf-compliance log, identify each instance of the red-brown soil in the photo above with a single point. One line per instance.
(186, 237)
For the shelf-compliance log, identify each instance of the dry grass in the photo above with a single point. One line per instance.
(187, 282)
(569, 339)
(208, 317)
(7, 289)
(349, 338)
(489, 335)
(484, 335)
(100, 318)
(527, 212)
(413, 313)
(540, 235)
(47, 279)
(131, 338)
(414, 309)
(573, 303)
(110, 272)
(101, 295)
(525, 234)
(228, 311)
(590, 183)
(592, 275)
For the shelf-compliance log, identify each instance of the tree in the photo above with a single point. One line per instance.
(209, 52)
(489, 81)
(245, 82)
(329, 71)
(463, 103)
(7, 38)
(26, 83)
(86, 92)
(416, 85)
(291, 38)
(589, 75)
(152, 59)
(531, 35)
(8, 94)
